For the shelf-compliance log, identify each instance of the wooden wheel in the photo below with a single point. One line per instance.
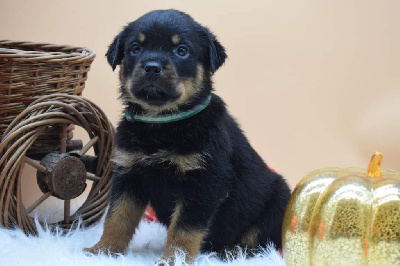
(61, 172)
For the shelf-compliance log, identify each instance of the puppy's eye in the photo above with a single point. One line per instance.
(182, 51)
(135, 48)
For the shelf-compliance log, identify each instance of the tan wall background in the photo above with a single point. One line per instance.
(313, 83)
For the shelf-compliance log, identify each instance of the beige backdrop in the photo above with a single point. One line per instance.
(313, 83)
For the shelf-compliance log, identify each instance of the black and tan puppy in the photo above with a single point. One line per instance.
(178, 149)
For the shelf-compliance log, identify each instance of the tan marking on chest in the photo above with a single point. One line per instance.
(184, 163)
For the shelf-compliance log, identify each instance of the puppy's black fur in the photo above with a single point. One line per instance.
(200, 174)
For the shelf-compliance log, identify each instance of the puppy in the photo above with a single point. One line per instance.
(178, 149)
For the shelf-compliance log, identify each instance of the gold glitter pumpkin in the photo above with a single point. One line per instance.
(346, 217)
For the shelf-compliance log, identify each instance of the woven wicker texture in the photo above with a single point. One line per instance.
(30, 70)
(54, 111)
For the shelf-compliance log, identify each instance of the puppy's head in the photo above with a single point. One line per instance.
(166, 60)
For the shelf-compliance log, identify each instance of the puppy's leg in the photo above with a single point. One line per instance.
(124, 214)
(197, 203)
(181, 237)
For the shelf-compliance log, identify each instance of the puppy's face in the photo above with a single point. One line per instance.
(166, 59)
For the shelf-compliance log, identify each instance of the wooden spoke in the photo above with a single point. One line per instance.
(63, 137)
(38, 202)
(93, 178)
(67, 210)
(71, 128)
(88, 145)
(35, 164)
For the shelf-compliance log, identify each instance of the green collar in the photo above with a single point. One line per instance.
(169, 117)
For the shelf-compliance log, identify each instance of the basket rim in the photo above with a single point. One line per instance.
(31, 51)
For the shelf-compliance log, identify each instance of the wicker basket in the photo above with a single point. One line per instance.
(31, 70)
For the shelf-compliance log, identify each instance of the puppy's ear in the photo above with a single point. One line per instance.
(217, 53)
(115, 52)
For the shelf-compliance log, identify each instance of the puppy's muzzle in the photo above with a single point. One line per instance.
(153, 69)
(153, 94)
(155, 85)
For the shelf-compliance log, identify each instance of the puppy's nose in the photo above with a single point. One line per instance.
(152, 68)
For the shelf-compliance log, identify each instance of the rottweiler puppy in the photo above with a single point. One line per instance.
(178, 148)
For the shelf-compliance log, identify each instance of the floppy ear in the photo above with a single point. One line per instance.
(115, 52)
(217, 53)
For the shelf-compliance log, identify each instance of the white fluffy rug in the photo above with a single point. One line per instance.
(146, 248)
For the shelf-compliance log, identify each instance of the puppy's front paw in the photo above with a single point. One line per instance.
(163, 263)
(166, 261)
(102, 249)
(179, 258)
(92, 250)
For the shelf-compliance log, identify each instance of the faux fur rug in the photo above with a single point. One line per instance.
(146, 248)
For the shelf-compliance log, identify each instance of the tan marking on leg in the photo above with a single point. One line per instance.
(188, 241)
(250, 238)
(119, 227)
(141, 37)
(176, 39)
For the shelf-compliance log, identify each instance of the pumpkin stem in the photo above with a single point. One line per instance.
(374, 168)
